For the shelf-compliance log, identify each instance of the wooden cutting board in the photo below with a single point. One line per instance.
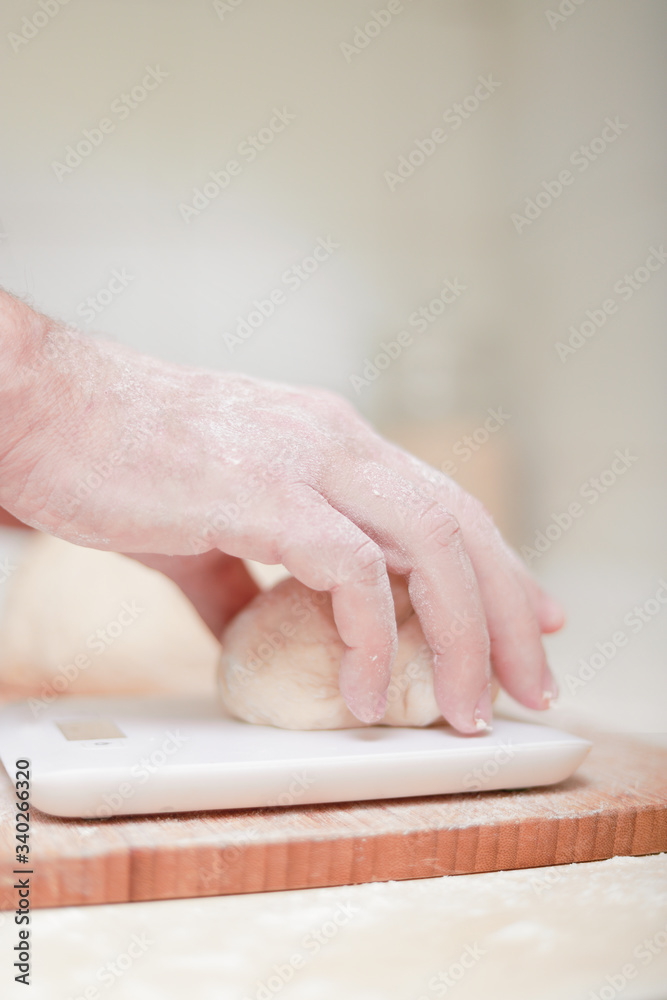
(616, 804)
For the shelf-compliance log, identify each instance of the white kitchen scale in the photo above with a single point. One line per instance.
(102, 757)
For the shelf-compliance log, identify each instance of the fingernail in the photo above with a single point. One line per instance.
(484, 711)
(553, 612)
(369, 709)
(549, 689)
(380, 707)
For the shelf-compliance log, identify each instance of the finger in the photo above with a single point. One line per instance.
(550, 614)
(325, 551)
(517, 653)
(446, 599)
(422, 540)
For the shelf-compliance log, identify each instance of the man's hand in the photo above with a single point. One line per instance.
(124, 452)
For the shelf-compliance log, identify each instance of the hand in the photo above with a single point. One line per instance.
(136, 455)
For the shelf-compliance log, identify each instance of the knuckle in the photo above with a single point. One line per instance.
(368, 562)
(478, 521)
(441, 527)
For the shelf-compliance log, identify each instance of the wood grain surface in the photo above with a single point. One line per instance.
(616, 804)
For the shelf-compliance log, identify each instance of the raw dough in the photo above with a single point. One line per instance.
(281, 656)
(153, 640)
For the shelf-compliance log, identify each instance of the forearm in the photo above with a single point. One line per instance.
(98, 443)
(22, 336)
(37, 385)
(65, 406)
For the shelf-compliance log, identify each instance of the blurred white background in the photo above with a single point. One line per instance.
(363, 89)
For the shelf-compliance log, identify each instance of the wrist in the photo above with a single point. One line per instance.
(26, 346)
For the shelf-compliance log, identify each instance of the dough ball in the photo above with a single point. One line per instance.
(80, 621)
(281, 656)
